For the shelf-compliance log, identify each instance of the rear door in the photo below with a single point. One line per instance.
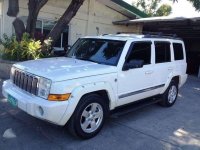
(179, 57)
(164, 65)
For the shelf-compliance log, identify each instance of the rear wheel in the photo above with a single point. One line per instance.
(170, 95)
(89, 117)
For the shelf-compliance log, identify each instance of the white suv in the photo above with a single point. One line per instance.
(97, 75)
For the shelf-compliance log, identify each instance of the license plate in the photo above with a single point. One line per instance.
(12, 100)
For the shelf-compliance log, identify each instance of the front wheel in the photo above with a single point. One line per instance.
(88, 117)
(170, 95)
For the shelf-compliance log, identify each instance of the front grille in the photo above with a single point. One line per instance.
(26, 81)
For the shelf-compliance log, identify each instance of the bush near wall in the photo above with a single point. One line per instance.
(26, 49)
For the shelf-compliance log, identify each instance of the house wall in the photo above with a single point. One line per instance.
(93, 18)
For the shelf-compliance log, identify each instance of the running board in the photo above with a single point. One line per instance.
(123, 110)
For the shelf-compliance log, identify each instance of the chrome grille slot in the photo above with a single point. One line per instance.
(25, 81)
(34, 86)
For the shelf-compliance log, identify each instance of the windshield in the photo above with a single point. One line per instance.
(97, 50)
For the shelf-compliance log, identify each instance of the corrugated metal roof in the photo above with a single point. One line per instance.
(155, 19)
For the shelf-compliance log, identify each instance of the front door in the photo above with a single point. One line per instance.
(135, 84)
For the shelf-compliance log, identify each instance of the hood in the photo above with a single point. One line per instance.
(63, 68)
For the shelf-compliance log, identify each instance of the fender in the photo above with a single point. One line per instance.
(170, 77)
(80, 91)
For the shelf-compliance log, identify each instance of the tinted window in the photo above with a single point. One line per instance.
(162, 50)
(141, 51)
(178, 51)
(97, 50)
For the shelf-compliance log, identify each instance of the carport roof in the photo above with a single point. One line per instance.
(155, 19)
(185, 27)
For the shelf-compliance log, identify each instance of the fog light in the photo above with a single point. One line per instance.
(41, 111)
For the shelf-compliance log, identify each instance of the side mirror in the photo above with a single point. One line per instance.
(133, 64)
(67, 48)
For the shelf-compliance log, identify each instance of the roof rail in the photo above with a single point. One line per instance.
(146, 35)
(125, 33)
(160, 35)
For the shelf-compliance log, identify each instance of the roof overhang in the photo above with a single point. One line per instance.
(124, 8)
(185, 27)
(154, 20)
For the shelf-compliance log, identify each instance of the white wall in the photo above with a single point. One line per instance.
(92, 16)
(7, 26)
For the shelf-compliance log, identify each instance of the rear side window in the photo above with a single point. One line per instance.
(141, 51)
(162, 50)
(178, 51)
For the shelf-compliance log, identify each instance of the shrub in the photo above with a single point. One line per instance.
(26, 49)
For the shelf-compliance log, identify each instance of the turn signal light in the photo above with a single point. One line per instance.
(58, 97)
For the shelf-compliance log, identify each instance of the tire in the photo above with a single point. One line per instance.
(169, 97)
(89, 117)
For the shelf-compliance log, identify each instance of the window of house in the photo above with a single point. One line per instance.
(163, 53)
(43, 28)
(39, 26)
(141, 51)
(178, 51)
(47, 26)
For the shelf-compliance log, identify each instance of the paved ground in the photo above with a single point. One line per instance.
(151, 128)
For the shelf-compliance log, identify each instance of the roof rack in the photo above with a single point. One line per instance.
(160, 35)
(146, 35)
(126, 33)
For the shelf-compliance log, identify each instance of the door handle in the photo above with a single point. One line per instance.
(149, 72)
(170, 68)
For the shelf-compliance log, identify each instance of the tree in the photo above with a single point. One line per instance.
(196, 4)
(34, 7)
(152, 7)
(164, 10)
(65, 19)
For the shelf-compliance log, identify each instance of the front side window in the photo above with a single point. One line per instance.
(162, 50)
(141, 51)
(97, 50)
(178, 51)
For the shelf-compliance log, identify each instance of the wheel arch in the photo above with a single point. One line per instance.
(176, 78)
(102, 89)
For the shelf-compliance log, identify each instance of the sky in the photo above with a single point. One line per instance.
(182, 8)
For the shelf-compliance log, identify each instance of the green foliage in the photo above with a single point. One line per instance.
(151, 7)
(164, 10)
(26, 49)
(196, 4)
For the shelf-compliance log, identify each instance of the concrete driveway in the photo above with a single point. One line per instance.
(151, 128)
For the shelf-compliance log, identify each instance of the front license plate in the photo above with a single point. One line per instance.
(12, 100)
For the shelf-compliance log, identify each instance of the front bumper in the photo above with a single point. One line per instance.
(52, 111)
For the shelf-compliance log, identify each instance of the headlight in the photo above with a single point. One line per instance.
(44, 87)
